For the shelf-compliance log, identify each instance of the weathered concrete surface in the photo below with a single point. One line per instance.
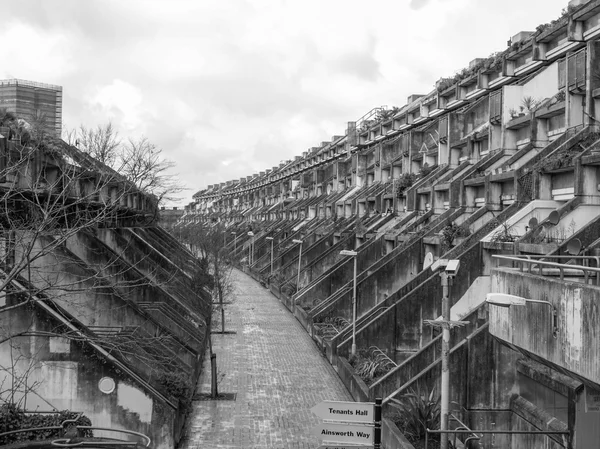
(277, 372)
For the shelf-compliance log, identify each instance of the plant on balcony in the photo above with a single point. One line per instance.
(331, 325)
(506, 233)
(559, 21)
(564, 158)
(289, 289)
(560, 96)
(529, 104)
(452, 231)
(494, 61)
(425, 170)
(386, 114)
(444, 83)
(405, 181)
(370, 365)
(417, 411)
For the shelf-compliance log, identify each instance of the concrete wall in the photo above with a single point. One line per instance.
(65, 374)
(576, 346)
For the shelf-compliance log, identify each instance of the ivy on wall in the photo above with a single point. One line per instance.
(13, 418)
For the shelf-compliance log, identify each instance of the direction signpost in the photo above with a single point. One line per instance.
(349, 425)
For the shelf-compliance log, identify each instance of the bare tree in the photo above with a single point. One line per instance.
(139, 160)
(207, 242)
(102, 143)
(143, 164)
(50, 195)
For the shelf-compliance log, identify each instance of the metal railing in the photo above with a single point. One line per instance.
(66, 441)
(487, 432)
(330, 330)
(382, 357)
(463, 426)
(529, 262)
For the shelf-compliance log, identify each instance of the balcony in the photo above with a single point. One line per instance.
(568, 343)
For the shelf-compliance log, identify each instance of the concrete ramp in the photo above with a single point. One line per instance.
(472, 299)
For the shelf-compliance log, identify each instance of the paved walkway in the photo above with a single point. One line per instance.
(277, 372)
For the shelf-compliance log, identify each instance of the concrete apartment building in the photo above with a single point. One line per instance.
(99, 314)
(29, 99)
(497, 167)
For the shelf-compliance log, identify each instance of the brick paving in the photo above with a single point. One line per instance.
(277, 372)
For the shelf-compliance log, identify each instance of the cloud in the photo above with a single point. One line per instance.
(418, 4)
(228, 89)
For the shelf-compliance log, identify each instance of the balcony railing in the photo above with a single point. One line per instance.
(528, 264)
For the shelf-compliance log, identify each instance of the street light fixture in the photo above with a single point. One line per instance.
(506, 301)
(299, 262)
(347, 252)
(271, 239)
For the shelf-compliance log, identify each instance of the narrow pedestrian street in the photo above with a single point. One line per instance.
(275, 371)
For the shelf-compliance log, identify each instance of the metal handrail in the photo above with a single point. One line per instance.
(536, 256)
(463, 426)
(486, 432)
(562, 267)
(65, 442)
(379, 353)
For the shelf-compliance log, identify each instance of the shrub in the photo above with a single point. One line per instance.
(450, 232)
(177, 385)
(404, 182)
(416, 412)
(426, 169)
(369, 364)
(13, 418)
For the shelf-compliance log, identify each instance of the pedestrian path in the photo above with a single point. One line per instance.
(276, 371)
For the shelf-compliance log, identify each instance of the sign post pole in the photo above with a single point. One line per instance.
(377, 430)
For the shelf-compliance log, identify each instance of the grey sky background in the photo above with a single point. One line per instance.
(228, 88)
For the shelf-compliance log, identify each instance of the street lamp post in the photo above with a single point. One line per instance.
(234, 241)
(251, 249)
(271, 239)
(299, 262)
(354, 254)
(448, 270)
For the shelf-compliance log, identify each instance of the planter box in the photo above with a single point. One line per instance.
(432, 240)
(392, 438)
(538, 248)
(275, 289)
(302, 316)
(505, 246)
(355, 385)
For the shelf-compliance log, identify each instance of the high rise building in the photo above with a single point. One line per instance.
(30, 99)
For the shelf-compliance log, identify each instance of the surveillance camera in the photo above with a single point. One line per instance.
(452, 267)
(438, 264)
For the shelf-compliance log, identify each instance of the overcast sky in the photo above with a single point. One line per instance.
(228, 88)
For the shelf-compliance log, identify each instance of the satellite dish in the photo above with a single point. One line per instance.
(428, 261)
(574, 247)
(553, 218)
(533, 223)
